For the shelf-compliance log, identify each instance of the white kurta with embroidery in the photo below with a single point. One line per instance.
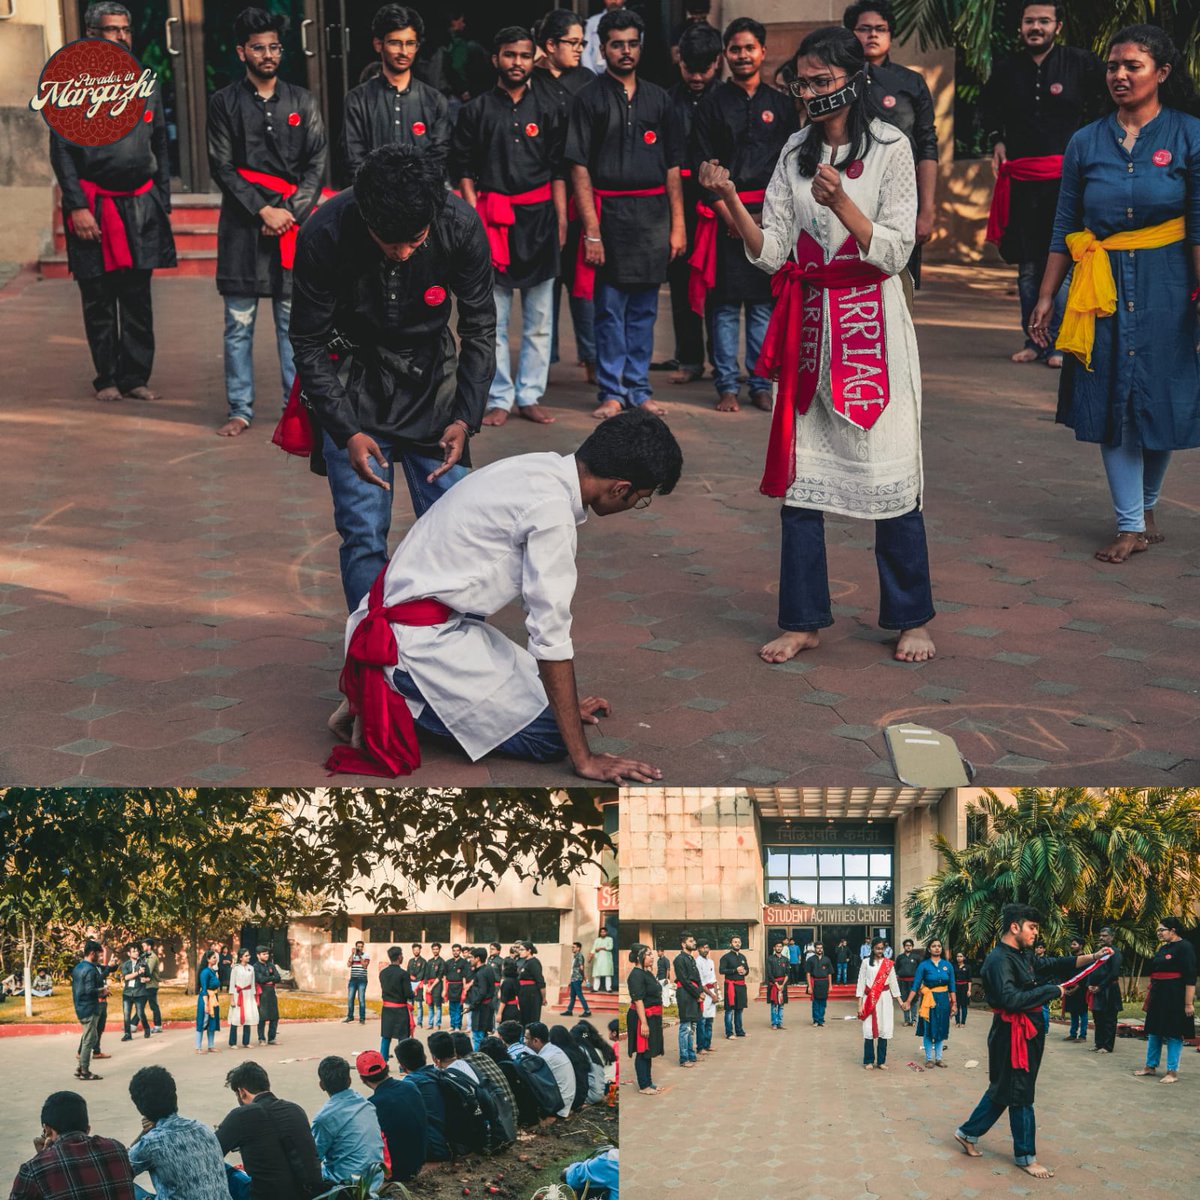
(870, 473)
(885, 1010)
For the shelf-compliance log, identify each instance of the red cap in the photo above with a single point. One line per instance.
(370, 1064)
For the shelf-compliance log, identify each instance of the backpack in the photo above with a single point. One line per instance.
(467, 1122)
(502, 1128)
(536, 1072)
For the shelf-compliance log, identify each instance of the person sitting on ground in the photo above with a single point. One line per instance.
(70, 1162)
(410, 1054)
(600, 1057)
(346, 1127)
(489, 1074)
(537, 1038)
(43, 984)
(445, 1057)
(581, 1064)
(596, 1174)
(183, 1156)
(494, 1049)
(401, 1113)
(279, 1156)
(513, 1035)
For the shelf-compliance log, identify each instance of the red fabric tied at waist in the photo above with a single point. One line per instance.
(114, 237)
(703, 262)
(496, 211)
(389, 737)
(643, 1042)
(791, 349)
(775, 989)
(1022, 1029)
(1043, 166)
(276, 183)
(395, 1004)
(584, 287)
(1166, 974)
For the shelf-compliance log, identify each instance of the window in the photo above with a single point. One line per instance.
(339, 930)
(718, 935)
(977, 827)
(510, 925)
(828, 877)
(402, 929)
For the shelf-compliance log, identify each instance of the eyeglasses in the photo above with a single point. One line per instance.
(871, 29)
(273, 48)
(820, 86)
(572, 42)
(643, 501)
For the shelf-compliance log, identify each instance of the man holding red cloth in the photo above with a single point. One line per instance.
(266, 151)
(507, 158)
(1033, 103)
(115, 202)
(1012, 986)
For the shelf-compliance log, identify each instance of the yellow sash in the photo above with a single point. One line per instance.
(927, 1001)
(1093, 291)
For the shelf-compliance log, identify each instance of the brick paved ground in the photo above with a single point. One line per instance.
(170, 609)
(785, 1114)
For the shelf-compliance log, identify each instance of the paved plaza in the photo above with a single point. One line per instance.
(794, 1113)
(171, 612)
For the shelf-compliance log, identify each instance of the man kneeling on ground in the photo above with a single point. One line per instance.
(506, 532)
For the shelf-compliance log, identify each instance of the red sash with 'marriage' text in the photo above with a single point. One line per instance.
(643, 1042)
(496, 211)
(114, 237)
(791, 350)
(584, 287)
(1042, 166)
(870, 1004)
(703, 275)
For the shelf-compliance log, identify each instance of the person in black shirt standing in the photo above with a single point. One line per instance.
(480, 999)
(106, 189)
(377, 266)
(688, 993)
(1033, 103)
(624, 150)
(456, 972)
(266, 979)
(744, 126)
(266, 151)
(1104, 988)
(394, 108)
(733, 969)
(396, 993)
(435, 970)
(820, 969)
(416, 975)
(531, 984)
(906, 969)
(507, 157)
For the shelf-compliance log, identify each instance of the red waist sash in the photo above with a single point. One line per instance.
(1166, 974)
(703, 262)
(396, 1004)
(643, 1042)
(584, 287)
(774, 989)
(1043, 166)
(241, 1003)
(730, 984)
(495, 210)
(114, 237)
(1022, 1029)
(389, 737)
(791, 350)
(287, 241)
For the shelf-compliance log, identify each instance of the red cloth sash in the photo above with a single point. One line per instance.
(703, 262)
(791, 350)
(870, 1004)
(495, 210)
(396, 1004)
(389, 737)
(1022, 1029)
(730, 995)
(1041, 166)
(643, 1042)
(1166, 975)
(114, 237)
(241, 1004)
(287, 241)
(774, 989)
(584, 287)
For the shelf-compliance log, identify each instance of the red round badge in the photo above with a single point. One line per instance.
(1160, 158)
(147, 116)
(889, 102)
(531, 130)
(435, 295)
(768, 116)
(649, 137)
(293, 118)
(1056, 89)
(855, 169)
(418, 128)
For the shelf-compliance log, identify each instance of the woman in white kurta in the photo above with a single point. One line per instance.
(846, 182)
(875, 1005)
(243, 1005)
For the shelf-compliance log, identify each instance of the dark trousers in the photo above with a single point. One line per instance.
(134, 1007)
(152, 1004)
(901, 555)
(575, 992)
(1105, 1025)
(245, 1035)
(263, 1030)
(871, 1056)
(118, 319)
(905, 990)
(688, 326)
(641, 1067)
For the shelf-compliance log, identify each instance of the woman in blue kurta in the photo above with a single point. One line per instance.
(1130, 205)
(208, 1003)
(933, 993)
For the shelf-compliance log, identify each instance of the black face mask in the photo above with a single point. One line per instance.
(821, 106)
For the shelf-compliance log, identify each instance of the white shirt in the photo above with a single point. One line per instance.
(708, 974)
(592, 57)
(503, 533)
(464, 1068)
(241, 979)
(564, 1075)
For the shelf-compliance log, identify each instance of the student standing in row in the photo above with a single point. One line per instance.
(396, 993)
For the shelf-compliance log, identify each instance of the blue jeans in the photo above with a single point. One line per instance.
(1020, 1121)
(418, 1005)
(1135, 476)
(704, 1034)
(240, 314)
(1079, 1024)
(726, 325)
(358, 986)
(901, 556)
(575, 992)
(874, 1052)
(687, 1042)
(583, 317)
(362, 511)
(624, 343)
(539, 741)
(455, 1014)
(841, 972)
(1029, 283)
(776, 1016)
(533, 361)
(435, 1011)
(733, 1022)
(1154, 1045)
(477, 1036)
(818, 1011)
(933, 1050)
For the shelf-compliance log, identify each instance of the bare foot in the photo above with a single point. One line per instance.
(536, 414)
(108, 395)
(341, 723)
(1054, 361)
(1169, 1077)
(1153, 537)
(234, 427)
(1024, 355)
(787, 645)
(915, 645)
(728, 402)
(141, 393)
(969, 1148)
(881, 1067)
(653, 406)
(686, 375)
(868, 1066)
(495, 416)
(607, 408)
(1037, 1170)
(1125, 544)
(763, 401)
(1146, 1071)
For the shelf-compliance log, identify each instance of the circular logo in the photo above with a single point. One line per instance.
(1160, 158)
(293, 118)
(435, 295)
(889, 102)
(418, 128)
(531, 130)
(1056, 89)
(855, 169)
(93, 92)
(768, 116)
(649, 137)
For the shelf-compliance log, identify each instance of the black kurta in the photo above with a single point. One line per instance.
(121, 167)
(1106, 979)
(416, 969)
(267, 979)
(572, 81)
(688, 988)
(456, 971)
(643, 986)
(396, 988)
(1035, 109)
(779, 973)
(404, 380)
(480, 997)
(1164, 1005)
(282, 136)
(900, 96)
(819, 970)
(628, 145)
(377, 114)
(510, 1010)
(435, 969)
(746, 134)
(513, 148)
(686, 102)
(530, 983)
(734, 982)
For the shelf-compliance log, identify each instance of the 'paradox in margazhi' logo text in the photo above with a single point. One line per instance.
(115, 91)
